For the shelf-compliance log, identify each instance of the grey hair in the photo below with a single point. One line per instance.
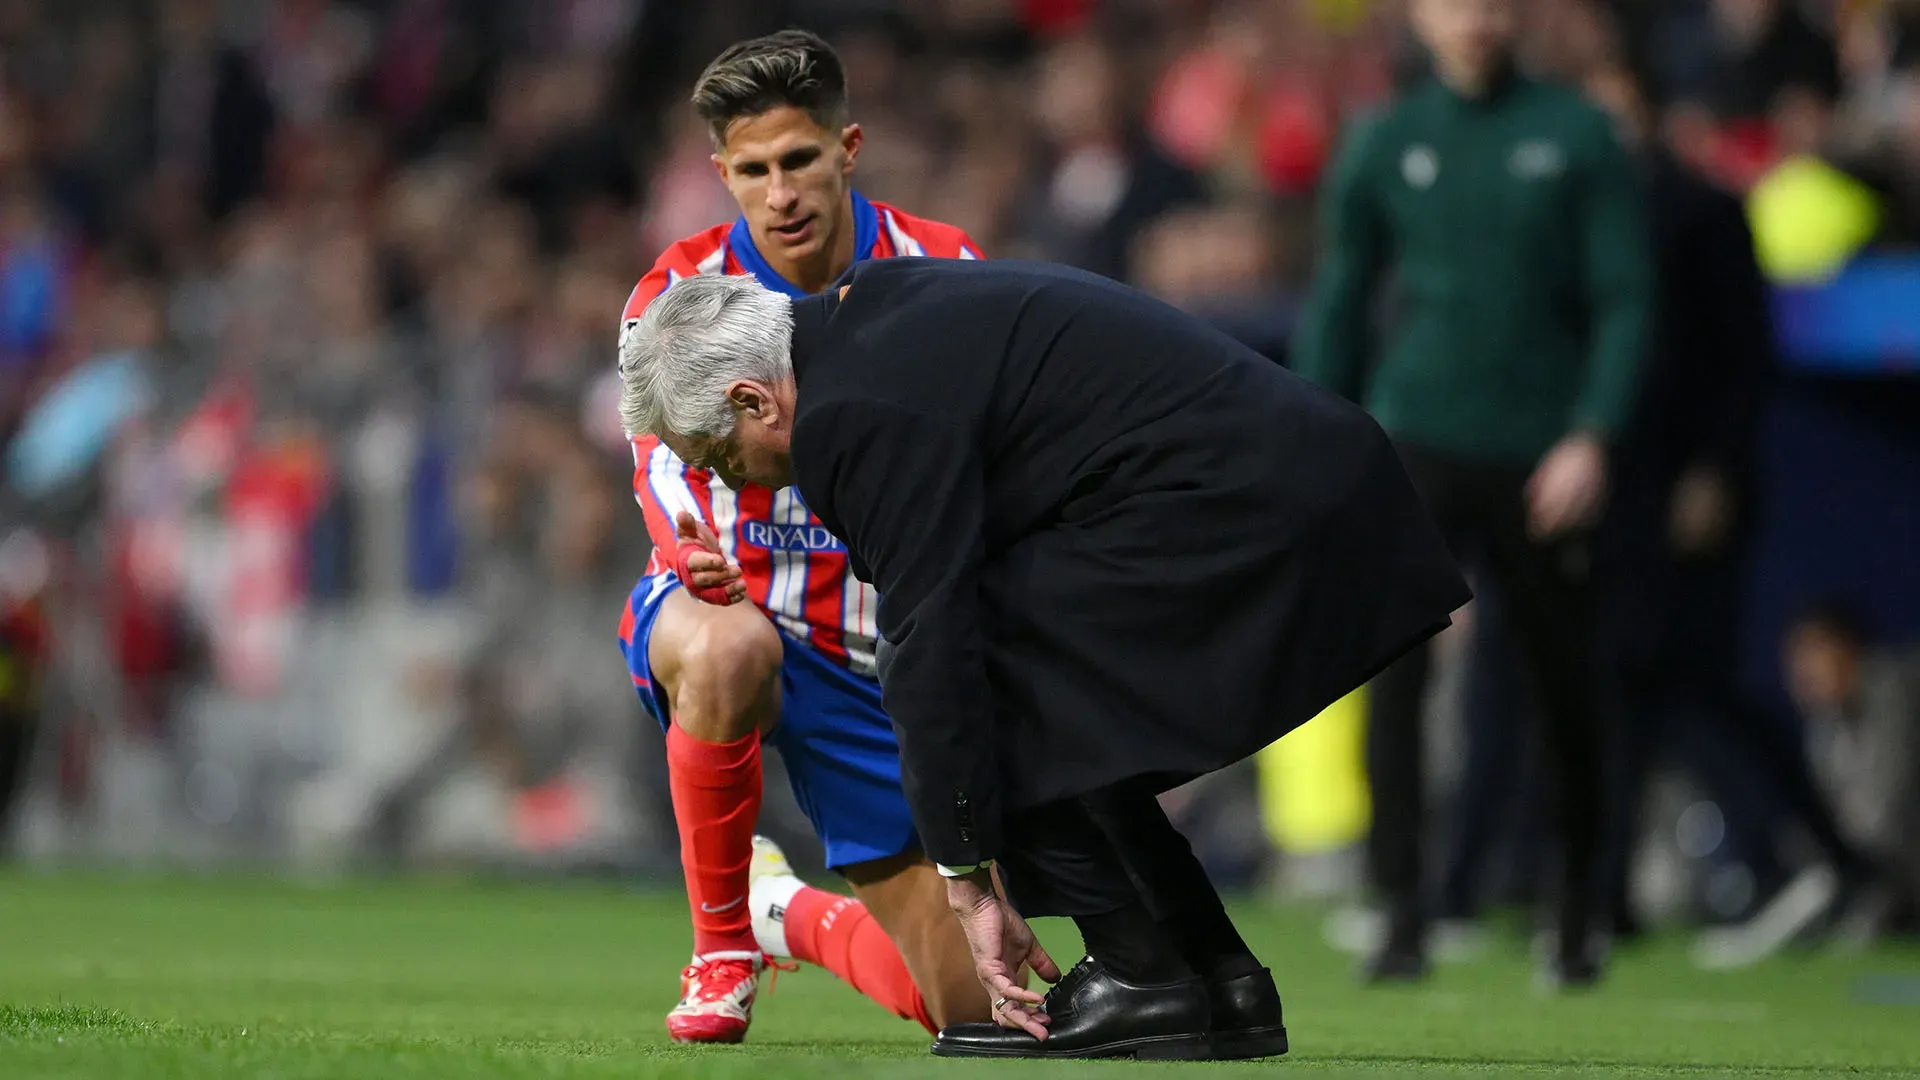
(703, 334)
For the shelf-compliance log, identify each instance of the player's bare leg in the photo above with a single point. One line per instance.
(908, 898)
(894, 940)
(720, 669)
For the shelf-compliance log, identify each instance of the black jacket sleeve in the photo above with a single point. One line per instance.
(906, 493)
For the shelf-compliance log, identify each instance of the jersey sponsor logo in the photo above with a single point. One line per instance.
(1537, 159)
(773, 537)
(1420, 166)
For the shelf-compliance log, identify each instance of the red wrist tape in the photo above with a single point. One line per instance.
(711, 594)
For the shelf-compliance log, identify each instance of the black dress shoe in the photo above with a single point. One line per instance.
(1394, 964)
(1246, 1018)
(1574, 966)
(1093, 1014)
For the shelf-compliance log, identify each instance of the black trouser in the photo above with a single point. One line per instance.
(1481, 509)
(1499, 786)
(17, 727)
(1111, 861)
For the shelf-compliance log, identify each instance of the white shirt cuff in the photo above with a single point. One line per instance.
(962, 871)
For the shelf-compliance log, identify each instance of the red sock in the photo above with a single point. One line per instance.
(840, 934)
(716, 802)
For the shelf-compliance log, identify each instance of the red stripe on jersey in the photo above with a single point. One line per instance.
(937, 239)
(701, 481)
(661, 525)
(683, 259)
(659, 521)
(627, 623)
(826, 602)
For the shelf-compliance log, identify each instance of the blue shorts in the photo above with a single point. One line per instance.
(841, 757)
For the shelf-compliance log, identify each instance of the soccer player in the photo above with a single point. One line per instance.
(796, 665)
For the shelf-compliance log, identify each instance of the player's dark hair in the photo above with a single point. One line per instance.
(792, 67)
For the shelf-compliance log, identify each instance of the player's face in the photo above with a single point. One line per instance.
(790, 177)
(1469, 38)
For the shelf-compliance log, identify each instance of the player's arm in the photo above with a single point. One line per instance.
(906, 492)
(679, 522)
(1617, 269)
(1329, 347)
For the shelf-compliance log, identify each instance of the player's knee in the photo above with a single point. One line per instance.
(740, 647)
(727, 676)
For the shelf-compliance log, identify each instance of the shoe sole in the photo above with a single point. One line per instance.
(1157, 1048)
(1251, 1043)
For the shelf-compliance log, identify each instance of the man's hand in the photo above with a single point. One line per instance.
(1566, 490)
(702, 568)
(1001, 943)
(1702, 512)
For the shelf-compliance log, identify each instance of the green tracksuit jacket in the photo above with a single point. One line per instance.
(1515, 228)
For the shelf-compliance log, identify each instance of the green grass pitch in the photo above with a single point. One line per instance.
(132, 978)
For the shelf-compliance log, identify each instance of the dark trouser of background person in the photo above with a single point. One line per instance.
(1768, 744)
(1498, 786)
(1752, 765)
(1681, 725)
(1663, 712)
(1481, 509)
(17, 727)
(1670, 636)
(1148, 915)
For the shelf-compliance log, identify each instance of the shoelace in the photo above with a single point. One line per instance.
(1070, 981)
(774, 966)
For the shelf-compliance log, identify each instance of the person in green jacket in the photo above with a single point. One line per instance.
(1511, 219)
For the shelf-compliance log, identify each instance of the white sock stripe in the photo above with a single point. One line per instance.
(732, 954)
(771, 896)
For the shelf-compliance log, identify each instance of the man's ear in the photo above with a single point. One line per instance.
(851, 138)
(750, 399)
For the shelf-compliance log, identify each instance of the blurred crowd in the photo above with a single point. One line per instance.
(313, 510)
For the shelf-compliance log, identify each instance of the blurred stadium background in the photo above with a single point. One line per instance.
(314, 523)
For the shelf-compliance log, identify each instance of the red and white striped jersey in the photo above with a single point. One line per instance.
(795, 570)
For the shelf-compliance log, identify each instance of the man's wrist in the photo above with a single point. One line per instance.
(962, 871)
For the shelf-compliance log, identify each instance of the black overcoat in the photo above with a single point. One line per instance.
(1108, 539)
